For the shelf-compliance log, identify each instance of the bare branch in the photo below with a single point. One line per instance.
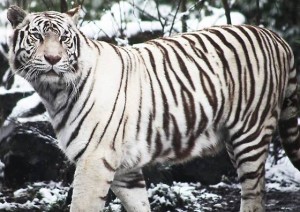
(144, 12)
(121, 29)
(176, 12)
(163, 24)
(80, 3)
(183, 10)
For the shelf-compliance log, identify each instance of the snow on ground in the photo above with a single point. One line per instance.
(179, 197)
(282, 176)
(38, 196)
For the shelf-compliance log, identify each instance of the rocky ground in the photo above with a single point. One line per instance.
(178, 197)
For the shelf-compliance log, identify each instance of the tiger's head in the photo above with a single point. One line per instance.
(44, 46)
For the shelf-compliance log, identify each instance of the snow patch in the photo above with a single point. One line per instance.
(51, 196)
(41, 196)
(282, 176)
(20, 192)
(123, 19)
(20, 85)
(25, 105)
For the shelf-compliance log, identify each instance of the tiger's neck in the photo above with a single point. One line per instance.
(54, 96)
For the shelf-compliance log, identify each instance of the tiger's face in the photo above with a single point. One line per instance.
(44, 46)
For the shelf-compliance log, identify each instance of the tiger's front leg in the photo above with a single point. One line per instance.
(93, 177)
(130, 188)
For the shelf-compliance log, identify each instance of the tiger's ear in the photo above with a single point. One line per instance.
(15, 15)
(74, 14)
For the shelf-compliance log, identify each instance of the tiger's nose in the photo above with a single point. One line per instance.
(52, 59)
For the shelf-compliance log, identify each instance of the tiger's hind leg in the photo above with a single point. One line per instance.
(130, 188)
(250, 153)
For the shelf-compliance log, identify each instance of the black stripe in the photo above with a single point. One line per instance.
(108, 166)
(165, 63)
(149, 131)
(163, 95)
(267, 81)
(200, 41)
(86, 145)
(117, 50)
(249, 66)
(263, 143)
(176, 140)
(209, 90)
(189, 110)
(252, 175)
(151, 85)
(250, 99)
(252, 158)
(65, 117)
(239, 69)
(124, 128)
(76, 131)
(129, 67)
(85, 39)
(182, 66)
(158, 147)
(103, 198)
(203, 122)
(85, 101)
(65, 104)
(181, 153)
(78, 45)
(15, 37)
(168, 60)
(95, 45)
(139, 112)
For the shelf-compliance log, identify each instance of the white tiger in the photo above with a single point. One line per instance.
(116, 109)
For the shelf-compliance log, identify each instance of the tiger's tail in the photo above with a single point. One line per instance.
(288, 123)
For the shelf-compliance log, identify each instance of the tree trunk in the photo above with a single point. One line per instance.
(227, 11)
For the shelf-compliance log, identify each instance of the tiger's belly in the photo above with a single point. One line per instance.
(138, 153)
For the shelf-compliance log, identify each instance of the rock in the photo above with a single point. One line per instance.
(2, 166)
(30, 154)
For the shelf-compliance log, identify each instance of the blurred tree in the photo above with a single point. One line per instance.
(281, 16)
(22, 3)
(63, 6)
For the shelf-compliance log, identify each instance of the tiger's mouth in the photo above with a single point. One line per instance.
(54, 72)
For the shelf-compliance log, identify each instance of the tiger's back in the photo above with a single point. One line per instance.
(190, 93)
(115, 109)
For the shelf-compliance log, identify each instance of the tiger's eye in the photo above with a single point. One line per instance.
(63, 38)
(37, 36)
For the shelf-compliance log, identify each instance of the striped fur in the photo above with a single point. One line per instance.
(117, 109)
